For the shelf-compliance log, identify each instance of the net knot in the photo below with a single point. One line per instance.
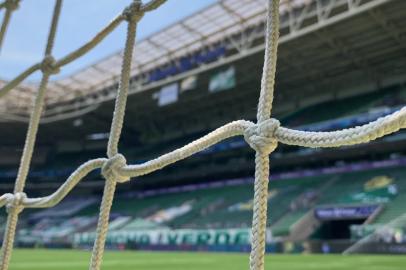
(48, 65)
(261, 136)
(16, 202)
(134, 12)
(12, 4)
(110, 169)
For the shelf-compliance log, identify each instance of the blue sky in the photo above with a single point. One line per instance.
(80, 21)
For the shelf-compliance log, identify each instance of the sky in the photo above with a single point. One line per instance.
(80, 20)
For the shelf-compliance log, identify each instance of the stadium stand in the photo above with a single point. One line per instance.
(222, 206)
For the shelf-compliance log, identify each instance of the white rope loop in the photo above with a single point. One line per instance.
(133, 13)
(261, 136)
(12, 4)
(16, 202)
(111, 169)
(48, 65)
(6, 199)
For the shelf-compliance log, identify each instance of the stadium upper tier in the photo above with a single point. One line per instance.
(326, 46)
(56, 157)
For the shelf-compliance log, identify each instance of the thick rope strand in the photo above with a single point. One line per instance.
(10, 6)
(133, 17)
(63, 190)
(269, 68)
(91, 43)
(22, 174)
(152, 5)
(16, 208)
(121, 99)
(102, 225)
(256, 135)
(260, 211)
(356, 135)
(262, 152)
(4, 26)
(17, 80)
(66, 59)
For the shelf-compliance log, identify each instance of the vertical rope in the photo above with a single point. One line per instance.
(269, 68)
(4, 25)
(102, 225)
(133, 14)
(121, 99)
(260, 211)
(10, 6)
(54, 27)
(15, 209)
(262, 155)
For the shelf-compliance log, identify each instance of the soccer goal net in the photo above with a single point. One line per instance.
(263, 136)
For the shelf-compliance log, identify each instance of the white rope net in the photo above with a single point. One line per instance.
(262, 136)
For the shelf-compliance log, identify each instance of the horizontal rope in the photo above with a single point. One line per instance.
(151, 5)
(66, 59)
(110, 167)
(17, 80)
(10, 4)
(3, 4)
(91, 43)
(88, 46)
(229, 130)
(6, 198)
(70, 183)
(362, 134)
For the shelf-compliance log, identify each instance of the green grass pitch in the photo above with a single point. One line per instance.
(126, 260)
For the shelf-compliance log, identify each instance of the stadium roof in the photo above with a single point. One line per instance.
(205, 27)
(327, 54)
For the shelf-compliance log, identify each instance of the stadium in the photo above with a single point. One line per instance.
(184, 182)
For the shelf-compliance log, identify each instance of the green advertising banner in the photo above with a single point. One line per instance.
(173, 237)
